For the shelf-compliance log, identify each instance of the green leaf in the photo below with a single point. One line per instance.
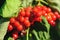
(46, 34)
(10, 38)
(10, 8)
(36, 35)
(26, 3)
(46, 23)
(27, 35)
(58, 27)
(3, 29)
(54, 3)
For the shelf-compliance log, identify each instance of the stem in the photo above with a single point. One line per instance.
(47, 26)
(35, 33)
(45, 2)
(27, 34)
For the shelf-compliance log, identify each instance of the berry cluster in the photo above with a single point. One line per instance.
(27, 16)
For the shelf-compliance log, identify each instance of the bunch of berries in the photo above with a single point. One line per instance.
(27, 16)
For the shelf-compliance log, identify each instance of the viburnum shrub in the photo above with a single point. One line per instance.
(27, 16)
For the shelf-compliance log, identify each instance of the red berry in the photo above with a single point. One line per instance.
(27, 18)
(27, 14)
(48, 18)
(16, 23)
(51, 13)
(44, 13)
(21, 18)
(26, 23)
(54, 17)
(39, 19)
(10, 27)
(38, 14)
(57, 14)
(12, 20)
(52, 23)
(15, 35)
(44, 8)
(20, 28)
(29, 8)
(48, 10)
(22, 12)
(39, 7)
(35, 10)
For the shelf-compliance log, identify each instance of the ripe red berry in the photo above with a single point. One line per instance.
(51, 13)
(48, 10)
(35, 10)
(38, 14)
(44, 13)
(27, 14)
(52, 23)
(21, 18)
(12, 20)
(39, 19)
(27, 18)
(44, 8)
(20, 28)
(57, 15)
(26, 23)
(10, 27)
(16, 23)
(29, 8)
(22, 12)
(15, 35)
(48, 18)
(54, 17)
(39, 7)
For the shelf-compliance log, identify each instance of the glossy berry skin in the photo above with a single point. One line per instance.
(45, 14)
(38, 19)
(48, 10)
(44, 8)
(26, 18)
(54, 17)
(52, 23)
(38, 14)
(15, 35)
(35, 10)
(10, 27)
(57, 15)
(48, 18)
(12, 20)
(16, 23)
(21, 18)
(27, 14)
(27, 23)
(22, 13)
(28, 9)
(39, 8)
(20, 28)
